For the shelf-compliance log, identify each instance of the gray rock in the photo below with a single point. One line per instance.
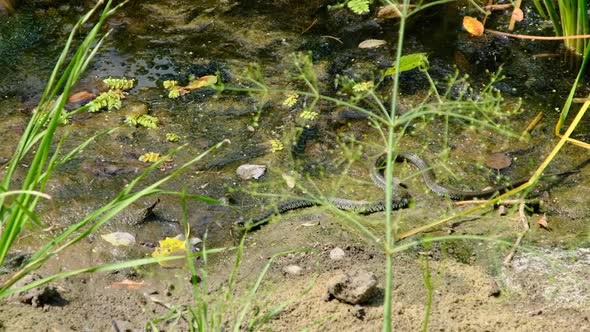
(337, 253)
(251, 171)
(354, 288)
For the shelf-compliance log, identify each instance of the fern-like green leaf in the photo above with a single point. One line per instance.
(148, 121)
(118, 83)
(359, 6)
(109, 100)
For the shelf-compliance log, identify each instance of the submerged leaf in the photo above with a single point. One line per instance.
(473, 26)
(119, 238)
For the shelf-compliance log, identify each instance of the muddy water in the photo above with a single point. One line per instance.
(170, 40)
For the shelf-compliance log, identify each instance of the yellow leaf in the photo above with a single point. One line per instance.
(473, 26)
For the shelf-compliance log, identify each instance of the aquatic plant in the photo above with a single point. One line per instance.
(118, 83)
(172, 137)
(143, 120)
(569, 18)
(109, 100)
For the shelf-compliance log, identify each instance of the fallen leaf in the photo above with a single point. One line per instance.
(542, 222)
(390, 12)
(119, 238)
(372, 43)
(128, 284)
(81, 97)
(290, 180)
(251, 171)
(202, 82)
(473, 26)
(517, 15)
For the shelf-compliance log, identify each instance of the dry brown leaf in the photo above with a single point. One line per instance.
(128, 284)
(372, 43)
(202, 82)
(542, 222)
(81, 97)
(517, 15)
(390, 12)
(473, 26)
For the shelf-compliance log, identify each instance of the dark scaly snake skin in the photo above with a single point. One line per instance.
(400, 198)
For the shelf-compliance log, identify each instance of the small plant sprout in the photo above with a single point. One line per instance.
(309, 115)
(150, 157)
(363, 87)
(276, 145)
(172, 137)
(291, 100)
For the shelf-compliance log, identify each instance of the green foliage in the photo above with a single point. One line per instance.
(172, 137)
(118, 83)
(409, 62)
(109, 100)
(145, 120)
(359, 6)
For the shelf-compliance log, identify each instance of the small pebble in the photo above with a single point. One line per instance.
(293, 270)
(337, 254)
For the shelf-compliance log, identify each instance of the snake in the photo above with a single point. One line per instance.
(400, 198)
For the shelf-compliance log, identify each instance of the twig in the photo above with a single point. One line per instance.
(310, 26)
(546, 55)
(505, 202)
(533, 124)
(525, 223)
(497, 7)
(335, 38)
(512, 35)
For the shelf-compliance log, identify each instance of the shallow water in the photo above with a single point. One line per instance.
(162, 40)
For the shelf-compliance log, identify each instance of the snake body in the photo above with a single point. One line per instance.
(400, 199)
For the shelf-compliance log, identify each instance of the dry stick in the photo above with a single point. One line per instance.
(525, 223)
(512, 19)
(503, 202)
(497, 7)
(534, 178)
(512, 35)
(332, 37)
(310, 26)
(546, 55)
(533, 124)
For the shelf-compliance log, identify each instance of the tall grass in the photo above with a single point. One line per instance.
(569, 18)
